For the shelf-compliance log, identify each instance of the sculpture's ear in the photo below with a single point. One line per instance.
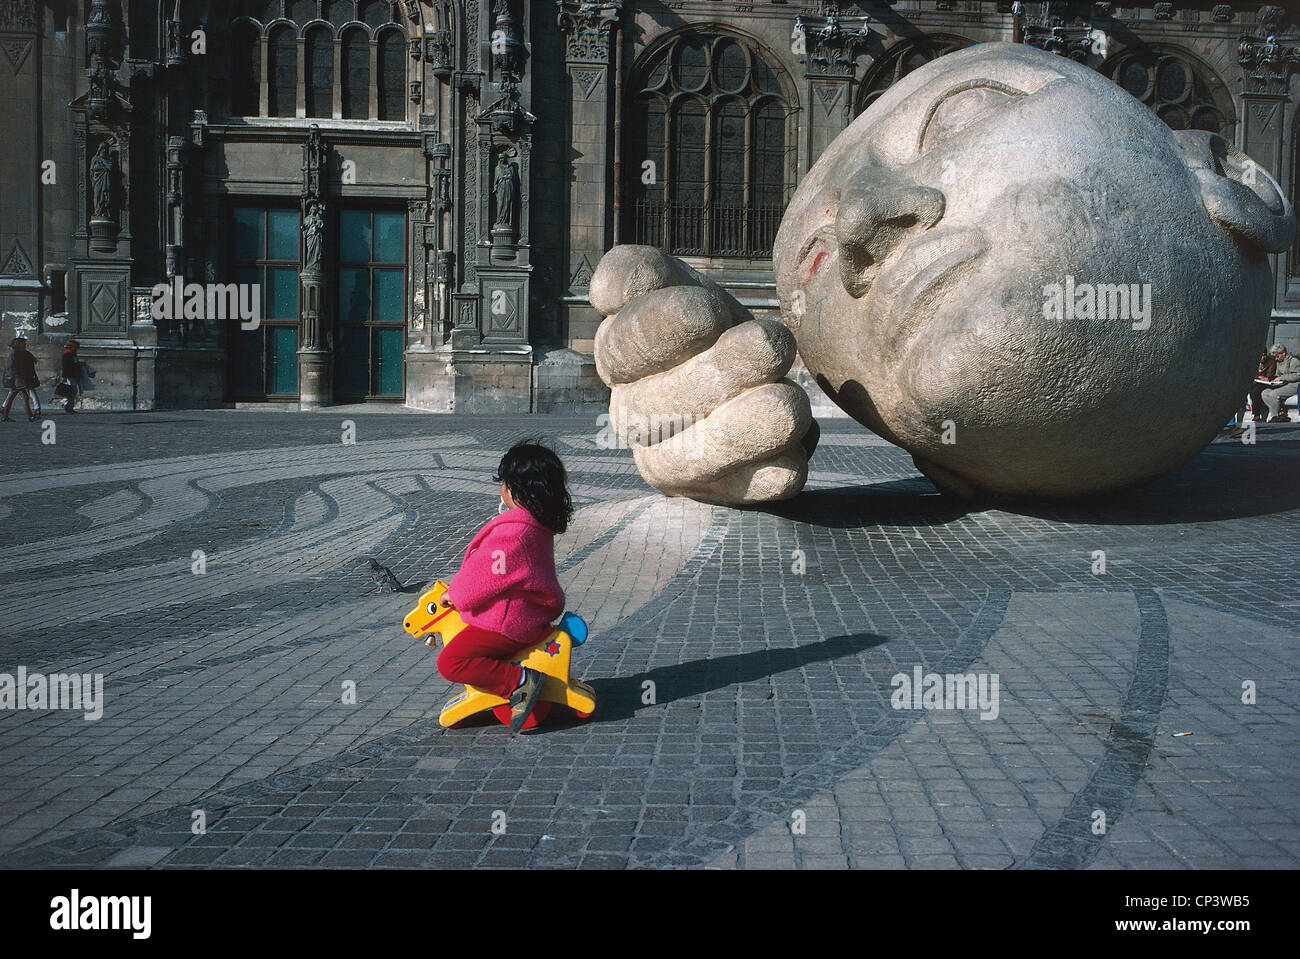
(1238, 193)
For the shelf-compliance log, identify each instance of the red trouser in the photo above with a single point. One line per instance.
(479, 657)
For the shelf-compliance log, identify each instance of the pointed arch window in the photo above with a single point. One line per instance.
(707, 155)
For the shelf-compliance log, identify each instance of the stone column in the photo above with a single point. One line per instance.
(587, 29)
(315, 352)
(1269, 58)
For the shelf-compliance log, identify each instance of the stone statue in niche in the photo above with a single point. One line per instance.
(103, 171)
(506, 188)
(313, 232)
(1006, 265)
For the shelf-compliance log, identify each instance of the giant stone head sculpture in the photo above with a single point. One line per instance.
(1014, 270)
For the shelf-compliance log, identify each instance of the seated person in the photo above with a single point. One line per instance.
(1266, 372)
(1288, 376)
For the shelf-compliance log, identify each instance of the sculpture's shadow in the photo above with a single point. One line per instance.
(905, 502)
(1225, 481)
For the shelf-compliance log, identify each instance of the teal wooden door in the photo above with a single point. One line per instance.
(282, 360)
(371, 305)
(264, 361)
(388, 362)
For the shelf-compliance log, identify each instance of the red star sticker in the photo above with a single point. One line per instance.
(552, 647)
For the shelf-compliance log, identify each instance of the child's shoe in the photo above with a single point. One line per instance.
(523, 699)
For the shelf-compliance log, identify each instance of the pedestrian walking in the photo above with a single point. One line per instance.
(20, 379)
(73, 374)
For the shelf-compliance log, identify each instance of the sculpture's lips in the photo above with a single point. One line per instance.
(908, 287)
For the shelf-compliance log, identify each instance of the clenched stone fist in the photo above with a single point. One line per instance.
(697, 386)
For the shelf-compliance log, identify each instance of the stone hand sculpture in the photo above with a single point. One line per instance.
(697, 387)
(1014, 270)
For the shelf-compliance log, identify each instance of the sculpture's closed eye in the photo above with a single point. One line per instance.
(960, 107)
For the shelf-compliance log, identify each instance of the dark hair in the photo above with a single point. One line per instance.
(536, 480)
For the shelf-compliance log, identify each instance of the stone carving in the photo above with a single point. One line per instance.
(506, 187)
(587, 25)
(697, 384)
(17, 262)
(829, 47)
(18, 15)
(944, 293)
(103, 170)
(313, 233)
(507, 56)
(16, 50)
(315, 163)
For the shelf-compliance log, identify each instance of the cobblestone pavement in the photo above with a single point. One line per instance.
(770, 736)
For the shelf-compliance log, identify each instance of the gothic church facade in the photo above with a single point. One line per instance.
(403, 202)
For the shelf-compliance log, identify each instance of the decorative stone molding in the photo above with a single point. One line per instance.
(508, 49)
(1271, 54)
(587, 25)
(829, 47)
(19, 16)
(506, 114)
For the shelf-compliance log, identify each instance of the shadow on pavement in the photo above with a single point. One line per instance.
(908, 502)
(618, 698)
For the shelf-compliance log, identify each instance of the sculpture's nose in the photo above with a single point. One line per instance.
(879, 207)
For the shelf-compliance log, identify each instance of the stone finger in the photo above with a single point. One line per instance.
(777, 477)
(658, 330)
(631, 270)
(745, 356)
(754, 426)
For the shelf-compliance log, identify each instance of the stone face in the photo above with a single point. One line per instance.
(1014, 270)
(697, 384)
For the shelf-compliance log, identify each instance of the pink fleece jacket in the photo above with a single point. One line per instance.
(507, 582)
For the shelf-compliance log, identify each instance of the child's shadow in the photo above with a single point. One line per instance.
(619, 697)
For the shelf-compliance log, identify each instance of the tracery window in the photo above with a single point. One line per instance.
(318, 58)
(707, 148)
(1186, 95)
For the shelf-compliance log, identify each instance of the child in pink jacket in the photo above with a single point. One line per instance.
(506, 590)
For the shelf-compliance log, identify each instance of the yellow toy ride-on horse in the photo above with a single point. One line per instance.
(431, 621)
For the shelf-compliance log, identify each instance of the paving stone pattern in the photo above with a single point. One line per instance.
(743, 659)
